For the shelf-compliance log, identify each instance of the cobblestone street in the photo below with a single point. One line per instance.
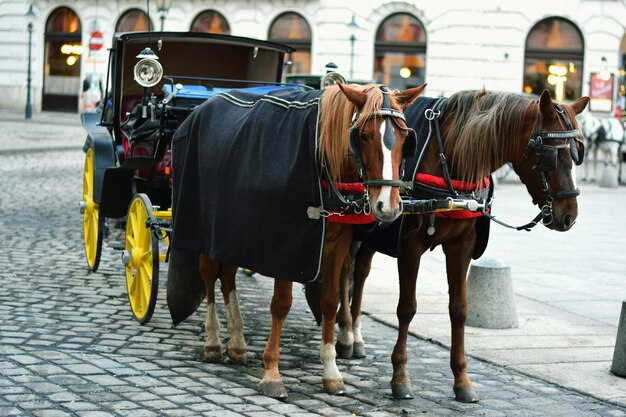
(70, 347)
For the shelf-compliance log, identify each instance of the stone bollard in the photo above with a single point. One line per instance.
(609, 177)
(490, 297)
(619, 355)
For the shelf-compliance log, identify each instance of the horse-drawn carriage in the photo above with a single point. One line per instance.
(155, 81)
(180, 155)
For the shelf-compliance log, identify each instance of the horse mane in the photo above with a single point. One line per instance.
(335, 117)
(481, 129)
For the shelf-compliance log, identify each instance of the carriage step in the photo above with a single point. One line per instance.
(118, 245)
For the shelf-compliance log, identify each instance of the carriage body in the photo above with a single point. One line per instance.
(127, 173)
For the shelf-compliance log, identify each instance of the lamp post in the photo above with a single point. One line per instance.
(353, 27)
(30, 15)
(163, 7)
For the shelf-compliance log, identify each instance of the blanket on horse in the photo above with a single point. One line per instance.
(244, 173)
(387, 239)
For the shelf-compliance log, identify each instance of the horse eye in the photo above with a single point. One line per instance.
(363, 137)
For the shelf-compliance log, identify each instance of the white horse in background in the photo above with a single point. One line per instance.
(606, 136)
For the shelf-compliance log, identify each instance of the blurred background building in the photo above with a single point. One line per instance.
(571, 47)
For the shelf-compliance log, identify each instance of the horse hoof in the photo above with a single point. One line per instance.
(238, 356)
(466, 395)
(343, 351)
(273, 389)
(358, 350)
(212, 354)
(402, 391)
(334, 386)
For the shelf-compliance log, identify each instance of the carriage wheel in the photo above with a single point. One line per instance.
(93, 223)
(141, 259)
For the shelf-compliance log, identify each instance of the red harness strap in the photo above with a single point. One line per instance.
(349, 218)
(439, 182)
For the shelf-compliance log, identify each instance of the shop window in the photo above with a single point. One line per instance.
(293, 30)
(554, 59)
(210, 21)
(62, 59)
(133, 20)
(400, 52)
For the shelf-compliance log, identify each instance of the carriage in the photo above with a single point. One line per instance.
(155, 80)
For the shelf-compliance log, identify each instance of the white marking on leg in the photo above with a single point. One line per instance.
(212, 327)
(344, 337)
(356, 327)
(234, 322)
(328, 355)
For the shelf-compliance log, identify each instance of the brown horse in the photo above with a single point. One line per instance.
(362, 138)
(479, 132)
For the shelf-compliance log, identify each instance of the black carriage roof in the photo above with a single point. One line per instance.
(153, 38)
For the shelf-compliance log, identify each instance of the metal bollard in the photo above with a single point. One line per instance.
(490, 296)
(618, 366)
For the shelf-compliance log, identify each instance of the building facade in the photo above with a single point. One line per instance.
(571, 47)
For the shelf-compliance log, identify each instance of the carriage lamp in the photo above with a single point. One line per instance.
(163, 7)
(148, 71)
(30, 16)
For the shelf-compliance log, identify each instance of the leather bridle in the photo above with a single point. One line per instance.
(547, 155)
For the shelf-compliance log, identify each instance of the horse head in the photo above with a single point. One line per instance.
(379, 140)
(548, 158)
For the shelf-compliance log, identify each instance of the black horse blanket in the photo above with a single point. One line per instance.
(244, 173)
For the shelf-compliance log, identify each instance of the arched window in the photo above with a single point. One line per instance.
(291, 29)
(554, 59)
(210, 21)
(133, 20)
(400, 52)
(63, 49)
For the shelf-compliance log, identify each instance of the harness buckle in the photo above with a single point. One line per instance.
(431, 114)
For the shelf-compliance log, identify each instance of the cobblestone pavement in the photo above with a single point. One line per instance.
(70, 347)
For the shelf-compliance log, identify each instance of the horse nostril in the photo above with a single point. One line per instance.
(379, 206)
(567, 221)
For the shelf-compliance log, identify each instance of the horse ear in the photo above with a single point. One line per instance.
(406, 97)
(356, 97)
(546, 106)
(579, 105)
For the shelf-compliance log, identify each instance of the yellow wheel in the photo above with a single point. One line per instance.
(141, 259)
(93, 224)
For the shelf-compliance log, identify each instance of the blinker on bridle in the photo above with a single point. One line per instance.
(388, 114)
(547, 159)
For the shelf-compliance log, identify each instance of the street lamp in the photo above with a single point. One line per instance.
(353, 27)
(30, 16)
(163, 7)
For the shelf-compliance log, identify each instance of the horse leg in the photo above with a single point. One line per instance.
(458, 257)
(362, 266)
(236, 347)
(272, 383)
(408, 267)
(345, 337)
(209, 270)
(336, 246)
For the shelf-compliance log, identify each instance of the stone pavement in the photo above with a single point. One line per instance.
(69, 345)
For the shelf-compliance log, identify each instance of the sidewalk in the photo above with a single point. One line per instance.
(41, 132)
(569, 290)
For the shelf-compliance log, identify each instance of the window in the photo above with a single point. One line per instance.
(291, 29)
(210, 21)
(554, 59)
(400, 52)
(62, 59)
(134, 20)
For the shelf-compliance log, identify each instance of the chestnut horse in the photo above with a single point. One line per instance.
(478, 133)
(362, 138)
